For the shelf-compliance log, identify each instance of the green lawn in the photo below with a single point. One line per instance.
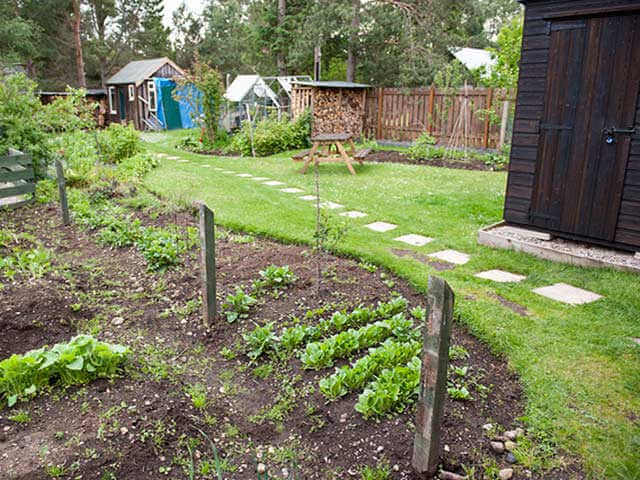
(578, 365)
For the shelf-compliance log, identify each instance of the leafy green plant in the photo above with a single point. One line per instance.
(392, 391)
(118, 142)
(120, 233)
(198, 395)
(35, 262)
(275, 278)
(459, 392)
(21, 416)
(79, 361)
(260, 340)
(237, 306)
(458, 352)
(379, 472)
(161, 248)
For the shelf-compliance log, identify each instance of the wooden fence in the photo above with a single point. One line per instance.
(403, 114)
(17, 178)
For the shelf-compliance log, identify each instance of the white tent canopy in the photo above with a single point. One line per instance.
(473, 58)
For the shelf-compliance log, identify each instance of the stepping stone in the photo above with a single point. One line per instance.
(205, 166)
(273, 183)
(567, 294)
(500, 276)
(381, 226)
(308, 198)
(331, 205)
(291, 190)
(244, 175)
(413, 239)
(183, 161)
(451, 256)
(637, 340)
(173, 158)
(228, 171)
(353, 214)
(259, 179)
(218, 168)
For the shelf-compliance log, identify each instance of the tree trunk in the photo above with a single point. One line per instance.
(77, 41)
(353, 38)
(281, 59)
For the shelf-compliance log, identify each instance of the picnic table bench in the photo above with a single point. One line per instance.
(333, 141)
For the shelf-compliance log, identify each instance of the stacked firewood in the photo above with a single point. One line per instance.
(338, 110)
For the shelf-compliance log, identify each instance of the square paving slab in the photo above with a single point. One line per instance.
(308, 198)
(500, 276)
(183, 161)
(451, 256)
(331, 205)
(244, 175)
(381, 226)
(353, 214)
(173, 158)
(259, 179)
(291, 190)
(228, 171)
(273, 183)
(567, 294)
(414, 239)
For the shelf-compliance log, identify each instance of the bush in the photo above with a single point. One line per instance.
(196, 141)
(134, 168)
(118, 142)
(79, 151)
(272, 136)
(69, 113)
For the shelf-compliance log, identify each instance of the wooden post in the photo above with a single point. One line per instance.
(208, 263)
(433, 377)
(485, 140)
(432, 97)
(380, 107)
(503, 123)
(62, 189)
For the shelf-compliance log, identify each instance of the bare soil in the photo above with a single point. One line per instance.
(393, 156)
(139, 426)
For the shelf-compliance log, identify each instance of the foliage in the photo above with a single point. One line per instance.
(79, 361)
(271, 135)
(46, 191)
(323, 353)
(135, 167)
(78, 149)
(350, 378)
(260, 340)
(118, 142)
(379, 472)
(34, 262)
(275, 278)
(507, 55)
(161, 248)
(69, 113)
(207, 100)
(20, 120)
(238, 305)
(197, 142)
(392, 391)
(198, 395)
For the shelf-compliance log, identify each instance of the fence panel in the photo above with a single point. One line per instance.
(469, 117)
(17, 179)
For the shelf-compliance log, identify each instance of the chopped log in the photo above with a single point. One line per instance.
(362, 153)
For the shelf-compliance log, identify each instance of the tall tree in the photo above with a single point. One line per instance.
(75, 19)
(353, 38)
(187, 31)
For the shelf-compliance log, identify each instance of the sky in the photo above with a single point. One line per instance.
(170, 5)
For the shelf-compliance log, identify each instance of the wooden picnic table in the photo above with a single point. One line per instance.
(333, 141)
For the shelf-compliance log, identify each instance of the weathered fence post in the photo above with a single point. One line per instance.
(433, 377)
(503, 123)
(208, 261)
(62, 189)
(487, 120)
(380, 112)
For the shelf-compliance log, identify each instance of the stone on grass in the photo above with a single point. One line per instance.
(259, 179)
(331, 205)
(567, 294)
(511, 458)
(273, 183)
(414, 239)
(173, 158)
(117, 321)
(228, 171)
(500, 276)
(308, 198)
(444, 475)
(505, 473)
(381, 226)
(451, 256)
(511, 435)
(182, 160)
(205, 166)
(353, 214)
(510, 446)
(291, 190)
(244, 175)
(497, 447)
(637, 340)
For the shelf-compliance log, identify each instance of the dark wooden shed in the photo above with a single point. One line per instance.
(575, 157)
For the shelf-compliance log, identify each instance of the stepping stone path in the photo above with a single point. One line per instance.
(291, 190)
(259, 179)
(500, 276)
(228, 171)
(173, 158)
(244, 175)
(331, 205)
(183, 161)
(273, 183)
(414, 239)
(205, 166)
(353, 214)
(218, 168)
(308, 198)
(381, 226)
(565, 293)
(451, 256)
(637, 340)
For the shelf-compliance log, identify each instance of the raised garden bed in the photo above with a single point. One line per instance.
(191, 394)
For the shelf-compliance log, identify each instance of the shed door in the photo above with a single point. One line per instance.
(593, 82)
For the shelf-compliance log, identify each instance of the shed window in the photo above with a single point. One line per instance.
(132, 93)
(112, 101)
(153, 99)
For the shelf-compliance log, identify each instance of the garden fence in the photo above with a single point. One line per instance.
(403, 114)
(17, 178)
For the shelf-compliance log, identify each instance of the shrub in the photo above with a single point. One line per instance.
(136, 167)
(118, 142)
(272, 136)
(78, 149)
(69, 113)
(161, 248)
